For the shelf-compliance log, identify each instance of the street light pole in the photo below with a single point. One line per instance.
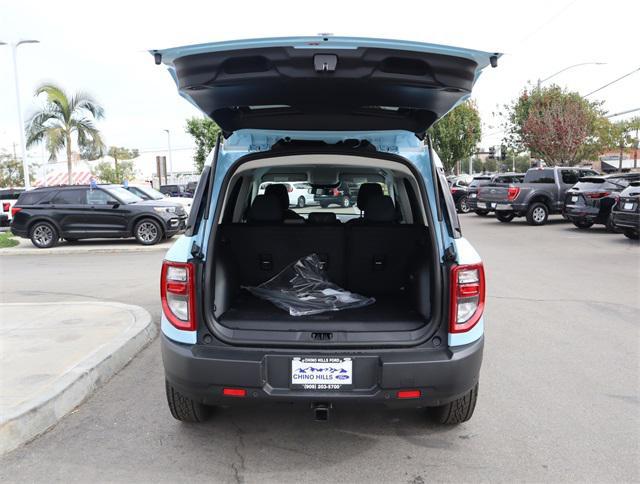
(23, 148)
(170, 156)
(540, 81)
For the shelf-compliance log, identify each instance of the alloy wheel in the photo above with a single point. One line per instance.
(43, 235)
(147, 232)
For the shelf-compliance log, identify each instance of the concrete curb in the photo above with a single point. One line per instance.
(39, 414)
(84, 250)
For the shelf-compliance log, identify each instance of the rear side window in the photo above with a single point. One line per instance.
(570, 177)
(99, 197)
(70, 197)
(539, 176)
(32, 198)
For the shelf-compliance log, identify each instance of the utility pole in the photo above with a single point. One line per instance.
(170, 156)
(23, 148)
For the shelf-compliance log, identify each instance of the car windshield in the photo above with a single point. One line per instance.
(151, 193)
(123, 195)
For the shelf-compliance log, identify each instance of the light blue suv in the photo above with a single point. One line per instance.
(323, 111)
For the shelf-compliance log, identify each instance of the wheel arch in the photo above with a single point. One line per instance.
(43, 218)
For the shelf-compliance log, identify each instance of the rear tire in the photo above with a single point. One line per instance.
(632, 234)
(463, 207)
(184, 408)
(301, 202)
(582, 224)
(456, 412)
(44, 235)
(323, 205)
(148, 232)
(537, 214)
(482, 213)
(505, 217)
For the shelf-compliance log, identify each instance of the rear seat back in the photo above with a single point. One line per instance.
(260, 252)
(371, 260)
(381, 258)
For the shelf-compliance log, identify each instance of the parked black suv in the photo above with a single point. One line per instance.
(341, 195)
(75, 212)
(590, 200)
(174, 191)
(626, 213)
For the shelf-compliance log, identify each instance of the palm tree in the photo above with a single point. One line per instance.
(63, 117)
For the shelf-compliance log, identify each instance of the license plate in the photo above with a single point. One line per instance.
(503, 206)
(574, 199)
(321, 373)
(473, 195)
(628, 206)
(492, 205)
(482, 205)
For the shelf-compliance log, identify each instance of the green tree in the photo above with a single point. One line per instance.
(205, 132)
(456, 135)
(63, 119)
(119, 153)
(478, 165)
(106, 172)
(11, 173)
(556, 125)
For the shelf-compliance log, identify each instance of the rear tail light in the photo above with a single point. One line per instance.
(512, 193)
(6, 206)
(335, 192)
(15, 210)
(467, 297)
(289, 188)
(177, 294)
(598, 194)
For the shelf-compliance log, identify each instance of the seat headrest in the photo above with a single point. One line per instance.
(279, 191)
(365, 192)
(265, 209)
(380, 209)
(322, 218)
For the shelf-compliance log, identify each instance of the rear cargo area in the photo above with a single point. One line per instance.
(389, 262)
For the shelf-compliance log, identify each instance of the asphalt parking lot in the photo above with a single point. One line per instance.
(559, 390)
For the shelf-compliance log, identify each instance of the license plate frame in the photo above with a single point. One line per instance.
(482, 205)
(321, 373)
(503, 206)
(628, 206)
(574, 199)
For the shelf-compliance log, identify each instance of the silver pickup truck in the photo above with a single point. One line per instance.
(540, 194)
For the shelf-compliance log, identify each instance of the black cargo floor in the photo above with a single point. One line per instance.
(388, 313)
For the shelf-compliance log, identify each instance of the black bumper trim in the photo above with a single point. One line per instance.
(201, 372)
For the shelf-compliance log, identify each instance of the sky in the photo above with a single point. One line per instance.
(101, 48)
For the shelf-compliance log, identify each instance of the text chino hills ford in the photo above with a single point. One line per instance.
(380, 302)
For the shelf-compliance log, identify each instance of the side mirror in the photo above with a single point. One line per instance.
(113, 203)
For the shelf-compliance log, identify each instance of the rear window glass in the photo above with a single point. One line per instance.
(479, 181)
(70, 197)
(10, 194)
(539, 176)
(594, 184)
(32, 198)
(623, 181)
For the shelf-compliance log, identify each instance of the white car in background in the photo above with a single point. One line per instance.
(300, 193)
(8, 198)
(148, 193)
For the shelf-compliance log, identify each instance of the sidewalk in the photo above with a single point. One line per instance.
(53, 355)
(25, 247)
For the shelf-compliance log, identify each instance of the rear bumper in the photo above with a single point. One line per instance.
(577, 213)
(201, 372)
(626, 220)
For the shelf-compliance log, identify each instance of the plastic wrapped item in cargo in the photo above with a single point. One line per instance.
(302, 289)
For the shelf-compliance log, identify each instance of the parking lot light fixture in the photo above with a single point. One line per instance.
(25, 164)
